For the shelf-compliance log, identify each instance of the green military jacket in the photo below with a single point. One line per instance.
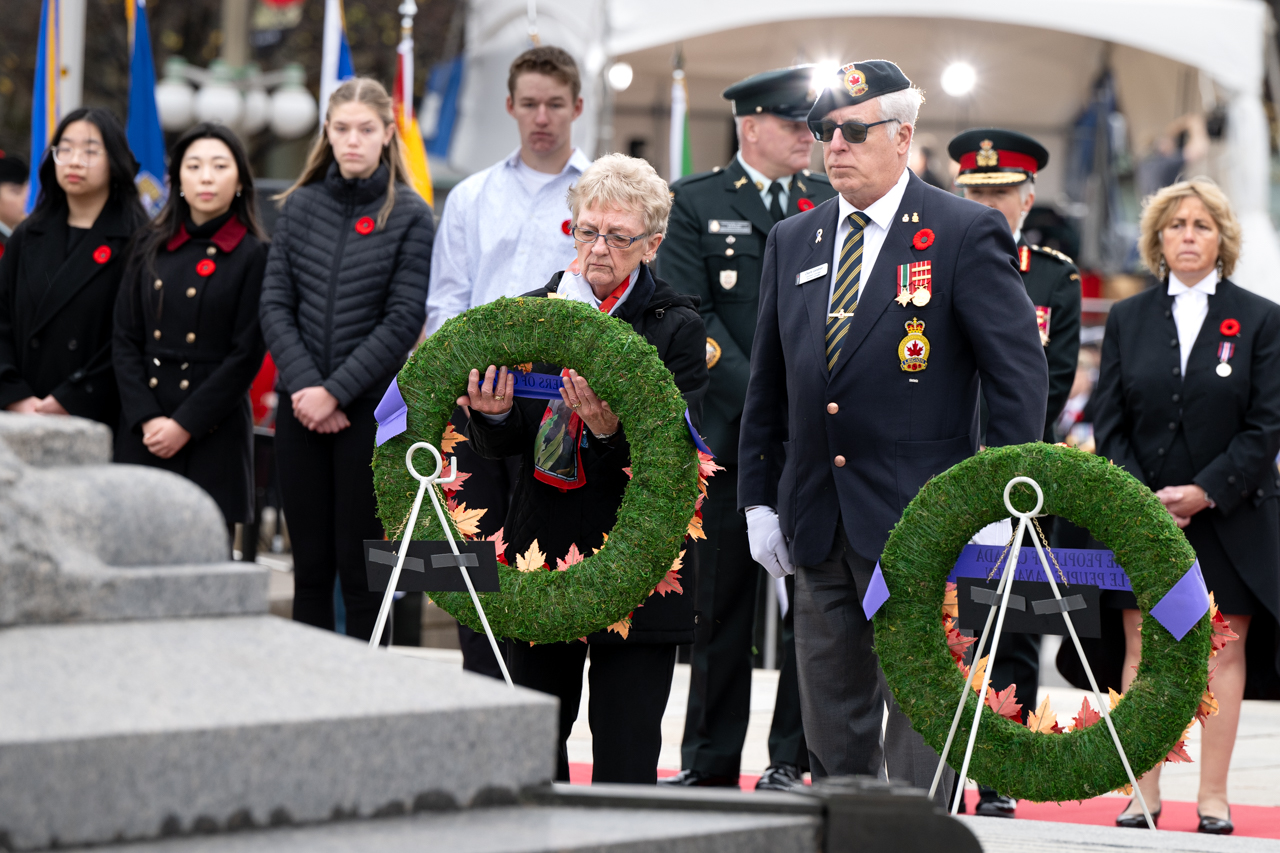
(1053, 283)
(714, 250)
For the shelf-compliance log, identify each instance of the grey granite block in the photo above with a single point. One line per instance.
(999, 835)
(46, 442)
(73, 538)
(525, 830)
(135, 730)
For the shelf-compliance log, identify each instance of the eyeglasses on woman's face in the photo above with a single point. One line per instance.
(64, 154)
(824, 130)
(613, 241)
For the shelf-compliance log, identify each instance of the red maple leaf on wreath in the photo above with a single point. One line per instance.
(914, 349)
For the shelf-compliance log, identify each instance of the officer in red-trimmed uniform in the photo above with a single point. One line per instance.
(998, 169)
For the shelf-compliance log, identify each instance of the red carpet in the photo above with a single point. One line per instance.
(1250, 821)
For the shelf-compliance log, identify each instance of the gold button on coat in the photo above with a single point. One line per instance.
(211, 251)
(184, 385)
(156, 334)
(191, 337)
(832, 408)
(154, 382)
(191, 291)
(159, 284)
(839, 460)
(728, 253)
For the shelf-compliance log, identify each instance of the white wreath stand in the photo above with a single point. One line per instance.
(1003, 591)
(424, 487)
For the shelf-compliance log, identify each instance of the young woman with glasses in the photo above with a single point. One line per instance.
(61, 271)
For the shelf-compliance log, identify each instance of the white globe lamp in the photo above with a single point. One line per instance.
(219, 100)
(293, 110)
(175, 99)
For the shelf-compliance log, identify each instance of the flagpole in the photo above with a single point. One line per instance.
(679, 116)
(71, 24)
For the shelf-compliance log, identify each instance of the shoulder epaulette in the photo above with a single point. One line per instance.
(816, 177)
(693, 179)
(1053, 253)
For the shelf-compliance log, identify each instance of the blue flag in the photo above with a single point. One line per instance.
(146, 139)
(44, 95)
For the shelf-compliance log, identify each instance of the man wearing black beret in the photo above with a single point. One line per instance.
(880, 313)
(715, 241)
(998, 169)
(13, 196)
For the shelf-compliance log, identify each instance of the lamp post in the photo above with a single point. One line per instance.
(238, 99)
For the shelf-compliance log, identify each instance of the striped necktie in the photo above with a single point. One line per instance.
(844, 299)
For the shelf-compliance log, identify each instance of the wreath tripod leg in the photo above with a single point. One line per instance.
(1103, 707)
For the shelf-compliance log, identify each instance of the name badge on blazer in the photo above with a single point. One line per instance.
(728, 226)
(812, 273)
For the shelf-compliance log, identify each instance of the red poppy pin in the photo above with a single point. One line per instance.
(923, 238)
(102, 254)
(1230, 327)
(804, 204)
(206, 268)
(565, 226)
(364, 225)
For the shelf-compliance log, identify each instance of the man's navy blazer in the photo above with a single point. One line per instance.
(895, 429)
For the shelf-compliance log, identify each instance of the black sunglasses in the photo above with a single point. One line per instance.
(824, 130)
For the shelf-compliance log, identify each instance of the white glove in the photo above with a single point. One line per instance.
(768, 545)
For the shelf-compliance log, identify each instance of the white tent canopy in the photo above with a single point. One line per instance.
(1036, 62)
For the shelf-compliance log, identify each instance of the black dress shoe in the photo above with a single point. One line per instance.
(1215, 825)
(780, 777)
(1136, 820)
(992, 804)
(698, 779)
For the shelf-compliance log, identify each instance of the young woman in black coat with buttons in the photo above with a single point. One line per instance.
(61, 271)
(187, 338)
(342, 305)
(1188, 401)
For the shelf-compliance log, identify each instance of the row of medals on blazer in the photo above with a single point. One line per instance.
(191, 336)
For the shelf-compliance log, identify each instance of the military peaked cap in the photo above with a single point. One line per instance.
(989, 156)
(785, 92)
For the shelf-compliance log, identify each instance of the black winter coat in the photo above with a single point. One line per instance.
(343, 303)
(1231, 423)
(56, 309)
(187, 346)
(557, 519)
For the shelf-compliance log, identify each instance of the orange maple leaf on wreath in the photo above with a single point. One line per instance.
(532, 560)
(671, 582)
(1222, 633)
(1085, 717)
(1208, 706)
(957, 643)
(456, 484)
(499, 545)
(570, 559)
(1044, 719)
(450, 438)
(622, 626)
(695, 527)
(466, 520)
(951, 602)
(1178, 755)
(1005, 703)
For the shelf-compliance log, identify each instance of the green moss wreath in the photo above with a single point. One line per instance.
(623, 368)
(1119, 511)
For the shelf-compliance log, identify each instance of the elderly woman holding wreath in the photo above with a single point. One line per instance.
(1188, 401)
(574, 469)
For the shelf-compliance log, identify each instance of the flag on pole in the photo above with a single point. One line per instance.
(146, 139)
(681, 153)
(44, 95)
(335, 58)
(415, 153)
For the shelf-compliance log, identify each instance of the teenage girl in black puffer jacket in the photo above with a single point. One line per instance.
(342, 304)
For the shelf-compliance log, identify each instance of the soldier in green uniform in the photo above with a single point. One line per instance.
(714, 249)
(998, 169)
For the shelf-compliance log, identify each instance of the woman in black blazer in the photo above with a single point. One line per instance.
(61, 270)
(1188, 401)
(187, 338)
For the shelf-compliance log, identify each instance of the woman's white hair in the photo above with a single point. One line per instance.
(903, 106)
(616, 180)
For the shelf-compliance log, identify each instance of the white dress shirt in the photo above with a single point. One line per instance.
(1190, 307)
(499, 238)
(757, 177)
(880, 214)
